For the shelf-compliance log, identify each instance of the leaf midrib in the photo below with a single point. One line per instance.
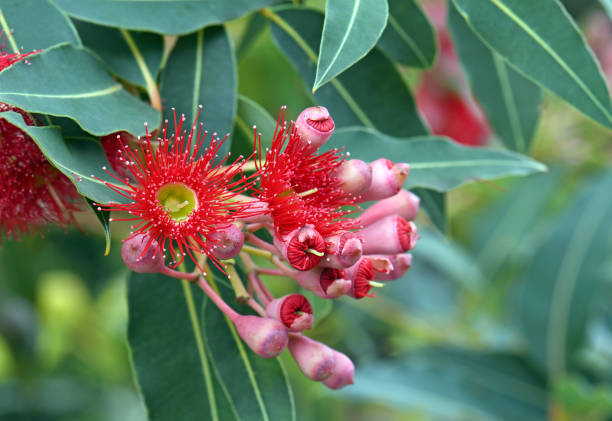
(102, 92)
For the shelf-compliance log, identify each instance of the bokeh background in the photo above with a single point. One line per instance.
(526, 266)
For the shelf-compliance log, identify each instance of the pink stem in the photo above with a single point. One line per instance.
(273, 272)
(254, 227)
(188, 276)
(258, 242)
(262, 292)
(214, 297)
(257, 307)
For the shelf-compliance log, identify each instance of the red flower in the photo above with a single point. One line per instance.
(180, 197)
(33, 192)
(300, 185)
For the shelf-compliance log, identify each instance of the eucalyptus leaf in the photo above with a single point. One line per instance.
(104, 219)
(565, 278)
(371, 93)
(257, 388)
(350, 30)
(160, 16)
(510, 100)
(68, 81)
(435, 162)
(133, 56)
(202, 71)
(542, 41)
(409, 38)
(19, 17)
(80, 160)
(167, 347)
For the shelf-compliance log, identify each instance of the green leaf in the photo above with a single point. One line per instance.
(160, 16)
(104, 219)
(256, 25)
(350, 30)
(133, 56)
(251, 114)
(435, 162)
(68, 81)
(202, 71)
(79, 159)
(510, 101)
(168, 354)
(434, 204)
(409, 38)
(541, 41)
(565, 277)
(371, 93)
(448, 383)
(607, 5)
(22, 23)
(257, 388)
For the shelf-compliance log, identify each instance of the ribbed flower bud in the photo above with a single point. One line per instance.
(404, 204)
(380, 263)
(343, 250)
(325, 282)
(401, 263)
(294, 311)
(361, 275)
(113, 145)
(314, 126)
(304, 249)
(342, 374)
(228, 242)
(316, 360)
(266, 337)
(387, 179)
(389, 235)
(141, 254)
(356, 176)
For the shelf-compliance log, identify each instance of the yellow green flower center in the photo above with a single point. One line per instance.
(178, 200)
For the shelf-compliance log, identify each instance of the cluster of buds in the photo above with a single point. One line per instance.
(306, 201)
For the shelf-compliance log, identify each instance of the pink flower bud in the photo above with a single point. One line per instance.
(314, 126)
(325, 282)
(294, 311)
(361, 275)
(404, 204)
(380, 263)
(266, 337)
(305, 248)
(257, 211)
(343, 250)
(401, 263)
(316, 360)
(228, 242)
(141, 254)
(356, 176)
(387, 179)
(343, 372)
(389, 235)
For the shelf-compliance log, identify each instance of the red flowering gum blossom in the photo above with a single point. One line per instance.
(304, 249)
(314, 126)
(181, 196)
(387, 179)
(294, 311)
(141, 254)
(389, 235)
(343, 372)
(401, 263)
(342, 251)
(266, 337)
(361, 275)
(301, 186)
(404, 204)
(325, 282)
(227, 242)
(316, 360)
(356, 176)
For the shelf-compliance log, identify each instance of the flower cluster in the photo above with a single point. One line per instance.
(34, 193)
(301, 216)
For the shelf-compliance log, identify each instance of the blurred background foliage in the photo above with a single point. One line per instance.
(506, 317)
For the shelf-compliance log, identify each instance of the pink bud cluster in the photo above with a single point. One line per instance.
(306, 201)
